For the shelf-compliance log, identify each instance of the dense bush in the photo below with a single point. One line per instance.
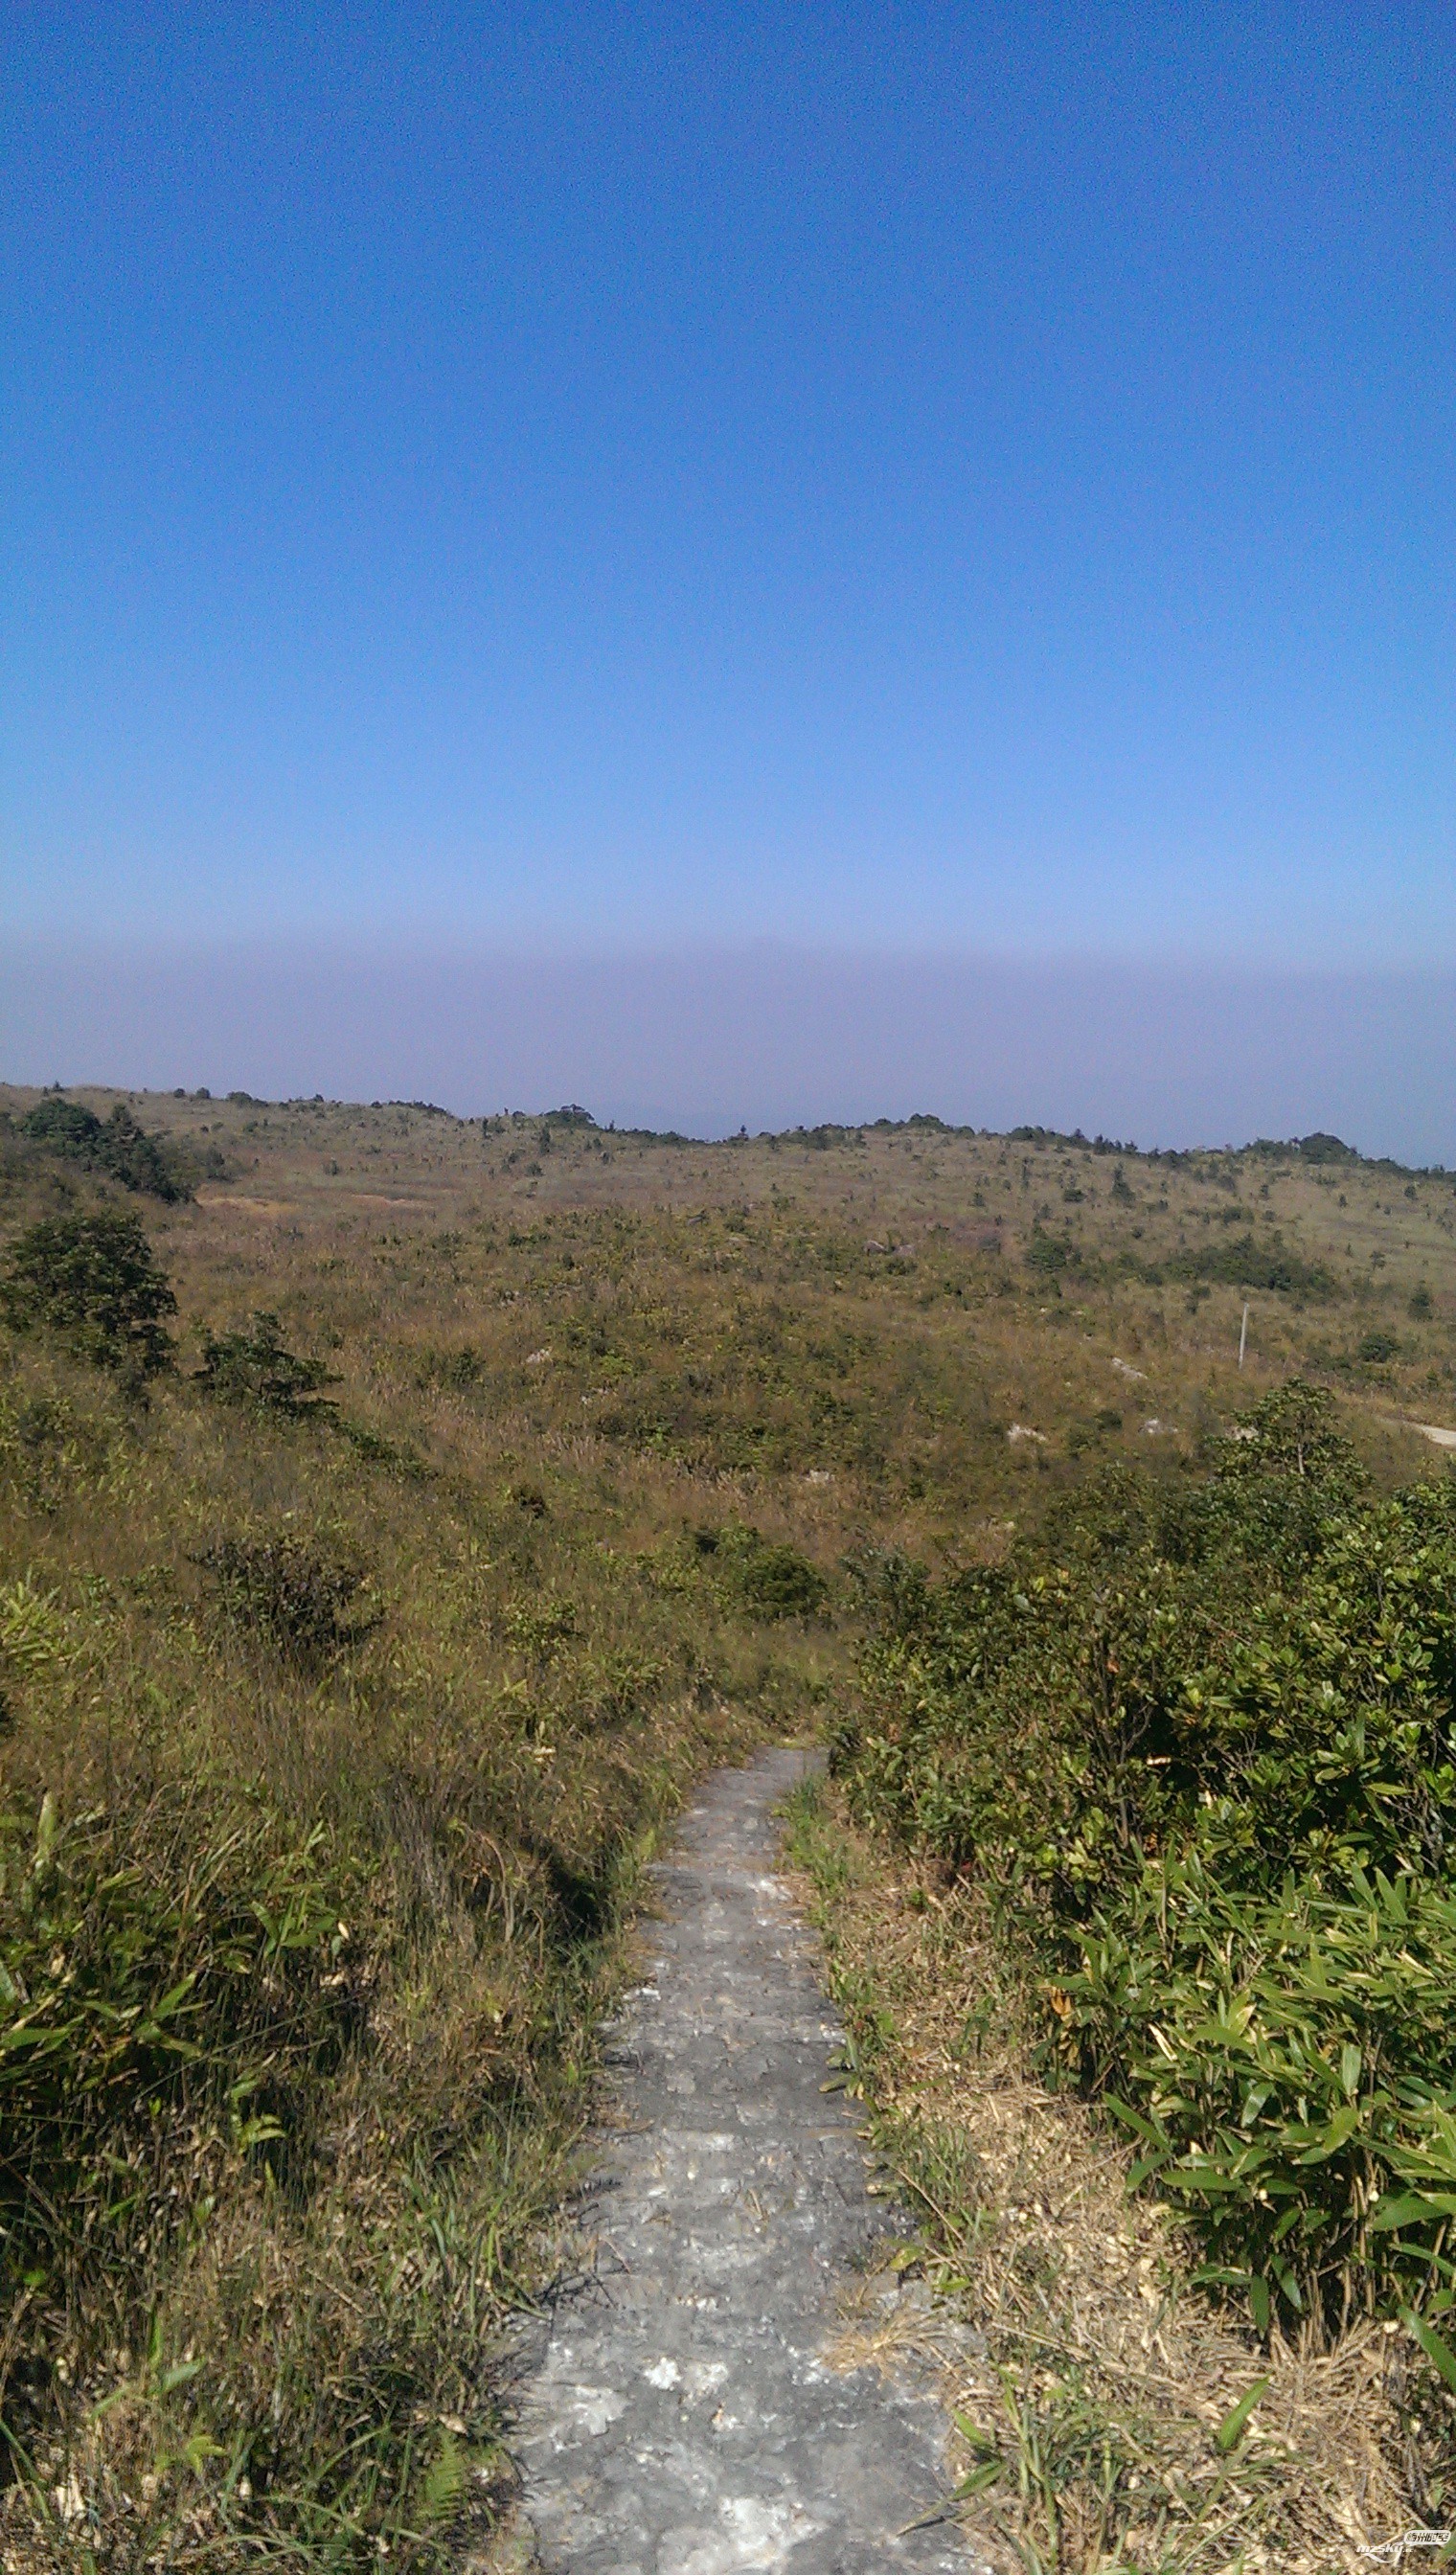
(1246, 1263)
(255, 1366)
(768, 1578)
(289, 1595)
(119, 1146)
(92, 1281)
(1198, 1748)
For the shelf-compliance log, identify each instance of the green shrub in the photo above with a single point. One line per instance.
(1287, 2064)
(93, 1282)
(47, 1447)
(1049, 1253)
(1247, 1262)
(65, 1126)
(255, 1366)
(1137, 1730)
(294, 1599)
(769, 1577)
(120, 1147)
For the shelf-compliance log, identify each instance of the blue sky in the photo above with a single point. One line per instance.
(869, 477)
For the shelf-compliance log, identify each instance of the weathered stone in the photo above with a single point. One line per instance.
(680, 2414)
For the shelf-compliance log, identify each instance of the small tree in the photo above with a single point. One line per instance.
(65, 1126)
(136, 1159)
(93, 1281)
(255, 1366)
(1293, 1430)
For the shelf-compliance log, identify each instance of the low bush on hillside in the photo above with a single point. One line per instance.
(254, 1366)
(151, 1974)
(767, 1577)
(116, 1145)
(1196, 1746)
(1247, 1262)
(282, 1592)
(91, 1282)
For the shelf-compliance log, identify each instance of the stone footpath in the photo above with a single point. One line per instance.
(677, 2413)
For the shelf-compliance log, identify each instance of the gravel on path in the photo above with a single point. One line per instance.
(680, 2413)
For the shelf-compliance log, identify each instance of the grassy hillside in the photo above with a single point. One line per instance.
(503, 1477)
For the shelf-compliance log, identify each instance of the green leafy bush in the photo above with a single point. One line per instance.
(119, 1146)
(255, 1366)
(294, 1599)
(1049, 1253)
(1286, 2063)
(1198, 1750)
(47, 1447)
(132, 1975)
(768, 1577)
(1247, 1262)
(91, 1281)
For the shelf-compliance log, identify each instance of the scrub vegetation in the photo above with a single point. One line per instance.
(399, 1512)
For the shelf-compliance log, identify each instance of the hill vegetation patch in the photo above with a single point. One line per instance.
(377, 1575)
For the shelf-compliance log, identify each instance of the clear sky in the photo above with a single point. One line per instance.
(880, 476)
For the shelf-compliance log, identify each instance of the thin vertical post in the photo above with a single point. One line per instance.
(1243, 1333)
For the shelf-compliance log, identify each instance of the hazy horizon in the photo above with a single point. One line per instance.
(764, 1036)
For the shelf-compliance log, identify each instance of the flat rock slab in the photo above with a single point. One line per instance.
(680, 2413)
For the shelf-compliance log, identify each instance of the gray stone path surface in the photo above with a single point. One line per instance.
(679, 2413)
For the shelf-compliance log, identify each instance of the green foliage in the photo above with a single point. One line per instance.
(1286, 2064)
(1321, 1148)
(1048, 1254)
(48, 1445)
(1223, 1832)
(119, 1148)
(93, 1282)
(255, 1366)
(769, 1577)
(289, 1595)
(65, 1125)
(1245, 1261)
(1291, 1433)
(144, 1968)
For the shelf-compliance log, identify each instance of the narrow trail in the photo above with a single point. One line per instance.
(1426, 1429)
(679, 2413)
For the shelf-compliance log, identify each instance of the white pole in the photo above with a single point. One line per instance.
(1243, 1333)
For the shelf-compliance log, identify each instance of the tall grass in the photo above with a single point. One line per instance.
(323, 1789)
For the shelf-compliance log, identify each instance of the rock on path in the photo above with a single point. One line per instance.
(678, 2414)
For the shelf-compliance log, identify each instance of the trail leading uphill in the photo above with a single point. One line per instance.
(681, 2415)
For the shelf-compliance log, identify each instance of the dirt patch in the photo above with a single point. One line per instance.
(266, 1209)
